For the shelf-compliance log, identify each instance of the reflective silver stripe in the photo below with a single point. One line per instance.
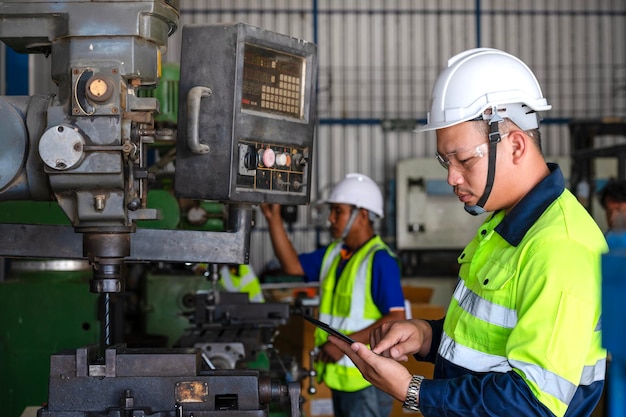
(483, 309)
(348, 324)
(227, 281)
(598, 325)
(547, 381)
(594, 373)
(328, 261)
(356, 321)
(471, 359)
(357, 301)
(346, 361)
(557, 386)
(325, 317)
(248, 277)
(258, 298)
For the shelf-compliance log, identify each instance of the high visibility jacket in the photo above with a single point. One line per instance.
(522, 335)
(346, 304)
(243, 279)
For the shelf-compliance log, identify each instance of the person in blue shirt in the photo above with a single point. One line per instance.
(360, 288)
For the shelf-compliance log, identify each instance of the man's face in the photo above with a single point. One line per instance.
(338, 218)
(615, 213)
(463, 150)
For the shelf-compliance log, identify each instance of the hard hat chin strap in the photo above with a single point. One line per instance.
(346, 230)
(494, 139)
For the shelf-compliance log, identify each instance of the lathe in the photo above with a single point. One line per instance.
(244, 136)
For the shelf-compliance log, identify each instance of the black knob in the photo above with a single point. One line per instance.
(251, 160)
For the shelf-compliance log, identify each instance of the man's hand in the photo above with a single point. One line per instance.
(391, 342)
(284, 250)
(386, 374)
(329, 353)
(399, 339)
(271, 212)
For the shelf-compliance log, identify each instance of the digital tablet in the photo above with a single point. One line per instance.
(330, 330)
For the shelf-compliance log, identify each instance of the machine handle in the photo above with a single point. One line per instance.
(312, 373)
(294, 398)
(193, 115)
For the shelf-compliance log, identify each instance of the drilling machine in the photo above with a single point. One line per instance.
(245, 136)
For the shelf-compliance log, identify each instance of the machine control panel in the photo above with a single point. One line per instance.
(264, 166)
(246, 131)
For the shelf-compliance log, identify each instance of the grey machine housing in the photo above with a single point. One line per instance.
(245, 130)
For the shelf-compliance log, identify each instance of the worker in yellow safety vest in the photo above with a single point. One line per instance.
(241, 278)
(360, 287)
(522, 335)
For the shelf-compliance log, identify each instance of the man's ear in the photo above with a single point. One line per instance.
(519, 143)
(364, 215)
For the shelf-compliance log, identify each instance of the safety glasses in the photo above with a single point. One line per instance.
(464, 159)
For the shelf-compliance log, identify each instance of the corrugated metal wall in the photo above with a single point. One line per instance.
(379, 59)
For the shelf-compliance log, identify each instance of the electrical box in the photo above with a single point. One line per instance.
(429, 215)
(245, 130)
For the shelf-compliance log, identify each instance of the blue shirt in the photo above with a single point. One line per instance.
(386, 286)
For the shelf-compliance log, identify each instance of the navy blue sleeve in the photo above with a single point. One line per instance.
(386, 285)
(456, 392)
(491, 394)
(312, 264)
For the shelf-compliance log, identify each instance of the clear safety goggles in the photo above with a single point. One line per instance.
(464, 159)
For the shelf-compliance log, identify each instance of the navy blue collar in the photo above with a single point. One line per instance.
(515, 224)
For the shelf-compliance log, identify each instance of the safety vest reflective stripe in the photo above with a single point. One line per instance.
(246, 282)
(346, 323)
(483, 309)
(547, 381)
(256, 297)
(347, 305)
(332, 252)
(355, 321)
(227, 280)
(557, 386)
(247, 278)
(471, 359)
(357, 305)
(593, 373)
(346, 362)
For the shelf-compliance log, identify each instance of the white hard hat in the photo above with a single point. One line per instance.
(482, 79)
(358, 190)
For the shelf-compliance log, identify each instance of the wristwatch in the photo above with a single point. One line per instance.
(412, 401)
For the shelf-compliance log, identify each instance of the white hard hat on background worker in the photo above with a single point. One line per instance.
(486, 84)
(360, 191)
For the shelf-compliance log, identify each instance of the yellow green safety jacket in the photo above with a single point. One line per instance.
(243, 279)
(346, 304)
(522, 335)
